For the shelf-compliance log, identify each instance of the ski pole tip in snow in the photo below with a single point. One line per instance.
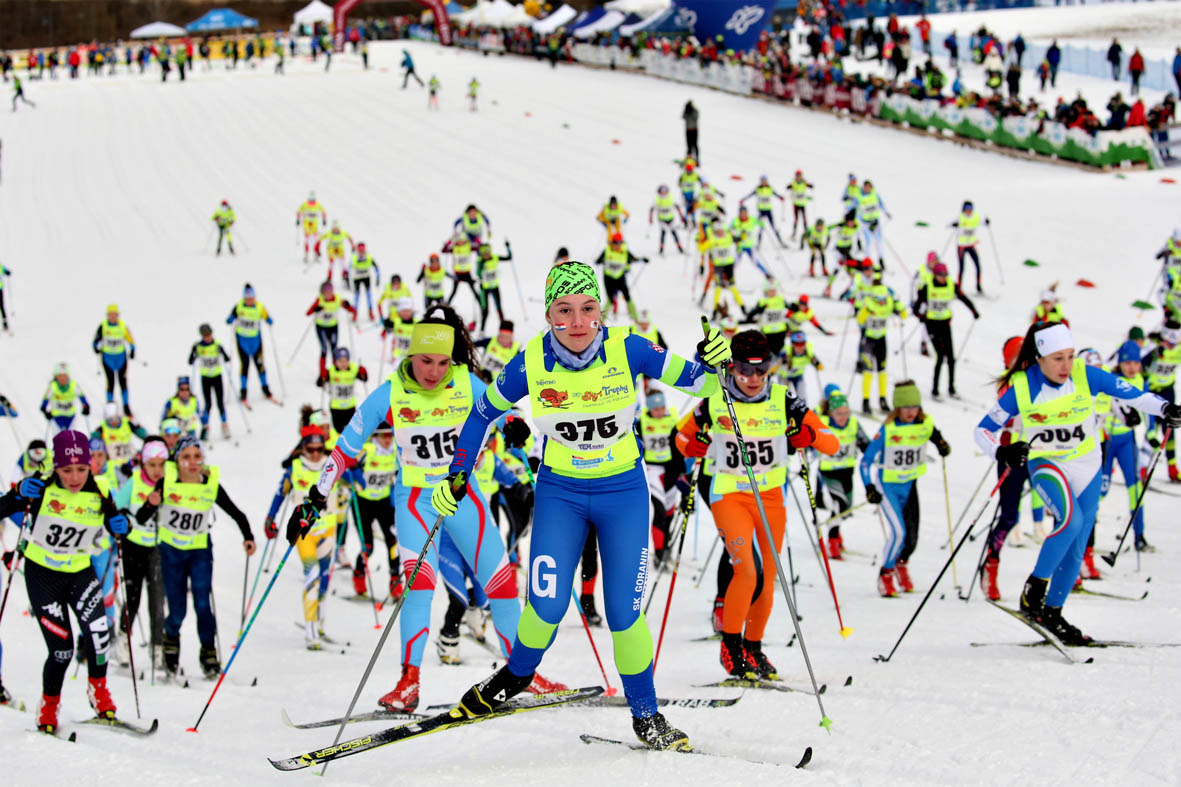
(846, 631)
(191, 729)
(612, 692)
(1109, 559)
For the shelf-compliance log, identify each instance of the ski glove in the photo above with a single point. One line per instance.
(516, 432)
(943, 448)
(802, 437)
(447, 495)
(31, 488)
(698, 447)
(1172, 415)
(714, 349)
(305, 515)
(1013, 455)
(85, 409)
(270, 528)
(118, 524)
(1131, 417)
(48, 417)
(873, 495)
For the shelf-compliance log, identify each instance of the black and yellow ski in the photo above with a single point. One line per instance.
(416, 729)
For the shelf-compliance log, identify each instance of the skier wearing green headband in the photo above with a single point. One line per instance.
(580, 381)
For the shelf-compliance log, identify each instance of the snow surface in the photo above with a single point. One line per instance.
(108, 189)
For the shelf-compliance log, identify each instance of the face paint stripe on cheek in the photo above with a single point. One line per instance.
(559, 326)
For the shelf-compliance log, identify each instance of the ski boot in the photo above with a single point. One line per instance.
(903, 575)
(883, 405)
(476, 620)
(924, 350)
(311, 636)
(491, 694)
(225, 430)
(836, 548)
(447, 646)
(122, 649)
(1052, 619)
(205, 432)
(655, 732)
(1141, 546)
(404, 697)
(100, 698)
(935, 395)
(716, 618)
(171, 652)
(210, 665)
(5, 695)
(734, 659)
(593, 617)
(988, 583)
(1089, 569)
(758, 659)
(47, 714)
(542, 685)
(359, 586)
(1173, 476)
(158, 658)
(396, 587)
(865, 408)
(886, 583)
(1033, 597)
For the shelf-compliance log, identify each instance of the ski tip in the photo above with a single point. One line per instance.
(823, 688)
(942, 596)
(73, 737)
(807, 758)
(1144, 596)
(849, 681)
(1109, 559)
(880, 658)
(845, 632)
(1090, 660)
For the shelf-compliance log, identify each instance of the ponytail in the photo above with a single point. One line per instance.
(1026, 357)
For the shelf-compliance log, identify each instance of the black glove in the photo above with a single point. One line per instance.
(48, 417)
(320, 382)
(7, 558)
(873, 495)
(305, 515)
(133, 353)
(388, 324)
(85, 409)
(520, 498)
(515, 431)
(988, 221)
(942, 447)
(1172, 415)
(1013, 455)
(1132, 417)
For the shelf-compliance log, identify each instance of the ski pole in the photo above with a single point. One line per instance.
(1110, 557)
(266, 550)
(811, 539)
(967, 336)
(845, 630)
(943, 571)
(127, 625)
(841, 346)
(245, 582)
(996, 512)
(907, 337)
(905, 372)
(843, 515)
(389, 626)
(241, 410)
(520, 292)
(996, 255)
(16, 558)
(947, 243)
(278, 366)
(690, 503)
(594, 648)
(971, 499)
(955, 579)
(311, 321)
(898, 257)
(241, 639)
(705, 565)
(750, 474)
(365, 560)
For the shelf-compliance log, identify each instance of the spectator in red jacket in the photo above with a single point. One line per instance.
(1136, 70)
(1136, 116)
(924, 28)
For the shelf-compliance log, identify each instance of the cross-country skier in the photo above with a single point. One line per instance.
(247, 317)
(967, 224)
(933, 307)
(341, 382)
(113, 343)
(208, 354)
(664, 210)
(326, 309)
(364, 270)
(836, 471)
(224, 218)
(1053, 393)
(762, 195)
(308, 217)
(61, 401)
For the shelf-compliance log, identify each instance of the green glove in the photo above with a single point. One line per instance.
(446, 496)
(714, 349)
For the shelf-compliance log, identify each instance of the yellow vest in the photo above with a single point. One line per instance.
(939, 300)
(67, 530)
(209, 359)
(433, 282)
(903, 457)
(655, 433)
(62, 403)
(490, 272)
(186, 512)
(1116, 422)
(1163, 370)
(248, 319)
(497, 357)
(326, 317)
(773, 318)
(485, 474)
(341, 385)
(114, 338)
(118, 440)
(302, 480)
(379, 471)
(764, 427)
(968, 226)
(427, 426)
(615, 262)
(1056, 428)
(184, 412)
(846, 455)
(144, 535)
(587, 415)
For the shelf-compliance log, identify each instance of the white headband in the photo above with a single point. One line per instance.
(1051, 340)
(1170, 335)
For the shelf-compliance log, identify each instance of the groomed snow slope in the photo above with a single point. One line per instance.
(108, 187)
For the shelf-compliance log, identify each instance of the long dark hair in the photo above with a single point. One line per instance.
(463, 352)
(1026, 356)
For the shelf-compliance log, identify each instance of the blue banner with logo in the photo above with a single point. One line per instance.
(739, 22)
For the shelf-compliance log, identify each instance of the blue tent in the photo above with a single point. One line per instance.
(592, 16)
(454, 8)
(220, 19)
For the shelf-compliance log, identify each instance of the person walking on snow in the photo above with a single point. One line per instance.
(224, 218)
(408, 69)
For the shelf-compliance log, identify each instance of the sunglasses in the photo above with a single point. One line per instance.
(172, 430)
(748, 369)
(310, 450)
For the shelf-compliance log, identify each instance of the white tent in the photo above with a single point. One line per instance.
(516, 18)
(315, 11)
(609, 21)
(157, 30)
(648, 21)
(643, 8)
(555, 20)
